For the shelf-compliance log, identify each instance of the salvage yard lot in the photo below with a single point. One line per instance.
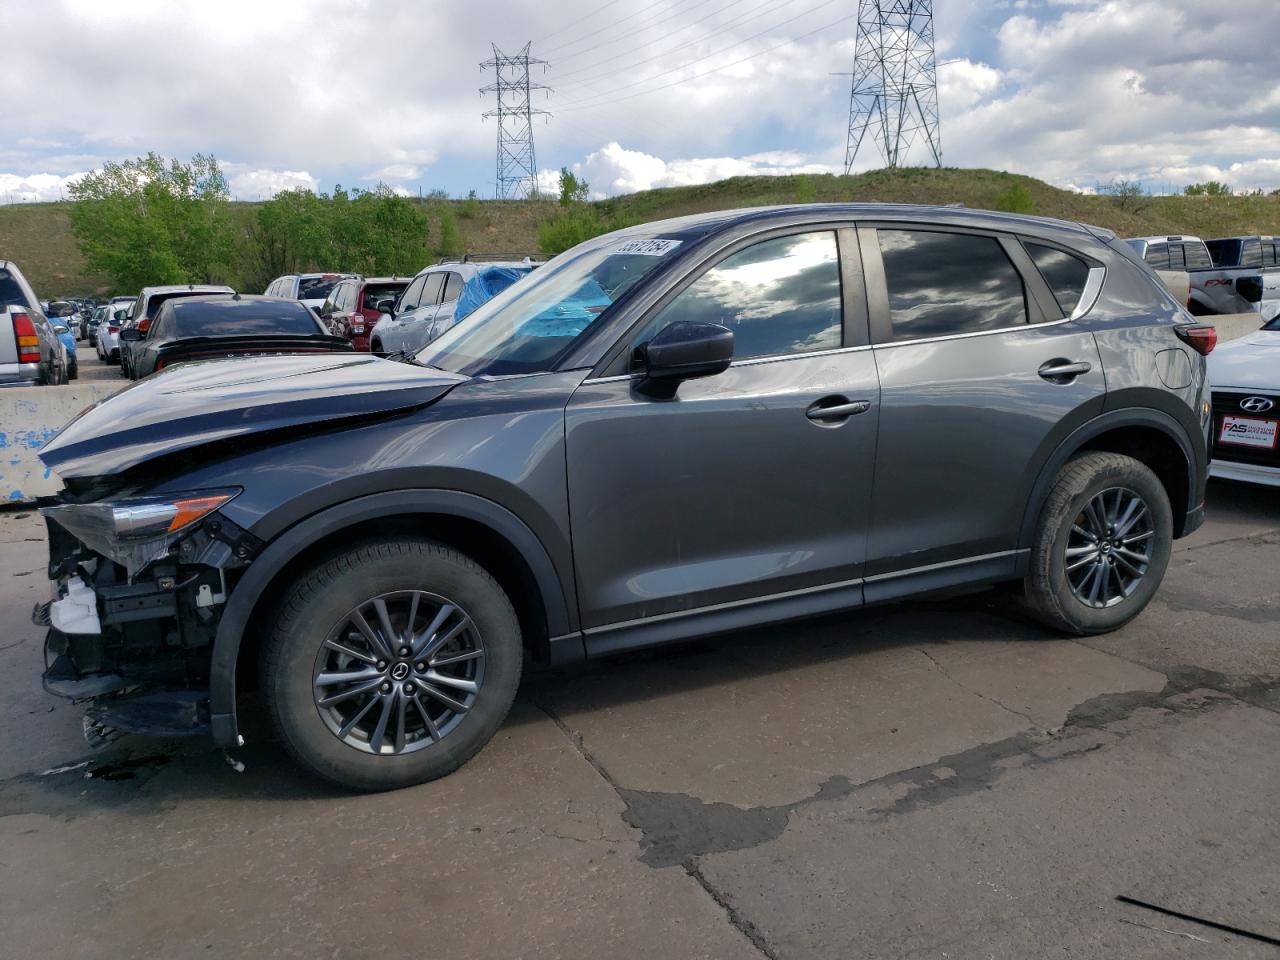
(923, 780)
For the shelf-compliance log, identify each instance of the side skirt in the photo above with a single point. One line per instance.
(783, 607)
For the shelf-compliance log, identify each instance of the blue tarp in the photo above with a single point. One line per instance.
(484, 286)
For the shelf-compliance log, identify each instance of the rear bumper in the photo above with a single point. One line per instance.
(19, 374)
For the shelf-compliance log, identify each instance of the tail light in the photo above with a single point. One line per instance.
(113, 329)
(161, 363)
(1250, 288)
(1200, 337)
(24, 335)
(143, 324)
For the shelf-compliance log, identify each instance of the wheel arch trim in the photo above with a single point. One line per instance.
(1077, 439)
(292, 541)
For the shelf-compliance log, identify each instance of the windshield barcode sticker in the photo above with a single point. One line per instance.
(648, 248)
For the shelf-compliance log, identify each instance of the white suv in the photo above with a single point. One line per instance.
(426, 308)
(311, 288)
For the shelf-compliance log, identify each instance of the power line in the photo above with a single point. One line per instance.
(631, 32)
(555, 33)
(702, 38)
(609, 98)
(607, 26)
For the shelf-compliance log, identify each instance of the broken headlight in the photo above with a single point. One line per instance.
(135, 532)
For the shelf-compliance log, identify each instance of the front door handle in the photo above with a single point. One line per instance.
(836, 408)
(1064, 371)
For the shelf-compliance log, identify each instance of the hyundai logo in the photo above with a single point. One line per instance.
(1256, 404)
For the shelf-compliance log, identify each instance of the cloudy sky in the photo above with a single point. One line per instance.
(646, 93)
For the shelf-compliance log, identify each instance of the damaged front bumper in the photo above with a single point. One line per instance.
(135, 644)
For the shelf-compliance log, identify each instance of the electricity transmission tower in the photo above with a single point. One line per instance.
(895, 84)
(517, 166)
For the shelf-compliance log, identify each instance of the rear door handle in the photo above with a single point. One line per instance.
(836, 408)
(1064, 371)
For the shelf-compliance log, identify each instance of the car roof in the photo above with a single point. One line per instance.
(387, 279)
(1172, 238)
(186, 303)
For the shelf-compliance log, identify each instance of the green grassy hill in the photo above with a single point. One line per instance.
(38, 236)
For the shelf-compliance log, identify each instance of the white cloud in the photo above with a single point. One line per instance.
(30, 188)
(613, 169)
(395, 171)
(265, 184)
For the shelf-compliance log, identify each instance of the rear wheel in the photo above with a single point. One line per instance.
(391, 664)
(1102, 545)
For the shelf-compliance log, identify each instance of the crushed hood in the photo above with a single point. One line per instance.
(1251, 362)
(194, 404)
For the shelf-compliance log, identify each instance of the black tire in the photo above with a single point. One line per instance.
(1065, 520)
(74, 372)
(322, 600)
(375, 345)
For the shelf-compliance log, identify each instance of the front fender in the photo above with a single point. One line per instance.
(303, 534)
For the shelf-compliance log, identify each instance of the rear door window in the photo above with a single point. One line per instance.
(779, 297)
(431, 290)
(1157, 256)
(1251, 254)
(942, 284)
(1065, 274)
(1268, 254)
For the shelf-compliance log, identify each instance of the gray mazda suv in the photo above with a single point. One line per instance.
(685, 428)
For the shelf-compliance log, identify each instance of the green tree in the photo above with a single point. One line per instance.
(152, 220)
(1210, 188)
(573, 189)
(450, 243)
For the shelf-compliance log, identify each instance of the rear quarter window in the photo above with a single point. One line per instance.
(1197, 256)
(1065, 273)
(1157, 256)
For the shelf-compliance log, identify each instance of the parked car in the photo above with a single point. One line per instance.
(1230, 275)
(30, 352)
(238, 325)
(108, 345)
(354, 306)
(95, 320)
(67, 338)
(145, 307)
(1245, 374)
(311, 288)
(686, 427)
(425, 309)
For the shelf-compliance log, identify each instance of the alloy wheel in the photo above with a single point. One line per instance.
(399, 672)
(1108, 550)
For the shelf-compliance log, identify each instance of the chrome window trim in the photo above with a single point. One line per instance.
(1089, 296)
(973, 333)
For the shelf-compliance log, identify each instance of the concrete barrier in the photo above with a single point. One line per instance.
(30, 416)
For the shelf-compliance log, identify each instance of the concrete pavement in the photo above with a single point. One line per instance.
(933, 779)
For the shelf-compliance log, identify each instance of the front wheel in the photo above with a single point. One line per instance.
(392, 663)
(1102, 545)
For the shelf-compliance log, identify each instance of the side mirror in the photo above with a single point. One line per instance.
(121, 316)
(130, 334)
(683, 351)
(60, 328)
(385, 305)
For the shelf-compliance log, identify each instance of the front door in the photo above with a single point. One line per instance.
(741, 487)
(981, 376)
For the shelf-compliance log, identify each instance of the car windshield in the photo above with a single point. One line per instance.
(529, 326)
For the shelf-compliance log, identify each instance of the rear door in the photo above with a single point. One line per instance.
(414, 326)
(740, 487)
(981, 376)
